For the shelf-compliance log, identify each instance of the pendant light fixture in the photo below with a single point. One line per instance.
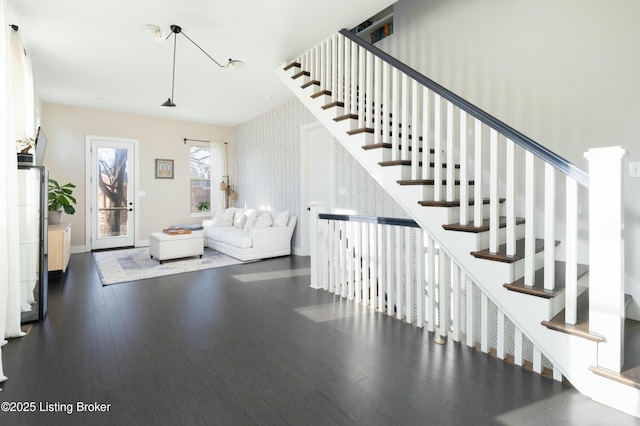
(232, 64)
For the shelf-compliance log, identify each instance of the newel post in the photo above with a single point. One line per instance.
(317, 236)
(606, 253)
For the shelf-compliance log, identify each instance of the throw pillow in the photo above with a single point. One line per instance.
(263, 221)
(223, 218)
(281, 219)
(240, 220)
(251, 220)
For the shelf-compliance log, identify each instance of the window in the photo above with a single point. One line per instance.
(200, 160)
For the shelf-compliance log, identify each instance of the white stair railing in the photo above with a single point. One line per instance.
(392, 266)
(431, 129)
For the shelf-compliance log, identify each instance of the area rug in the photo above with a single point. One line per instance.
(120, 266)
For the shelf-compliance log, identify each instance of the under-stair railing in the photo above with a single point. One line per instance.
(391, 265)
(443, 141)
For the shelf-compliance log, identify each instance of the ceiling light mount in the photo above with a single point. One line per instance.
(232, 64)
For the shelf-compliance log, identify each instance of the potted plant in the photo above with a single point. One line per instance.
(203, 206)
(25, 145)
(61, 201)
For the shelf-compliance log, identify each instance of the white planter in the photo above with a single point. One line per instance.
(55, 217)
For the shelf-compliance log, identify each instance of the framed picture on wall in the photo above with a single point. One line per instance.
(164, 169)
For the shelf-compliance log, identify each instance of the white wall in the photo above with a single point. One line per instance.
(166, 201)
(564, 73)
(268, 168)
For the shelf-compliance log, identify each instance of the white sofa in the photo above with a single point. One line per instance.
(249, 234)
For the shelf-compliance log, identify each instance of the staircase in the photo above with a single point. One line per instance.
(519, 221)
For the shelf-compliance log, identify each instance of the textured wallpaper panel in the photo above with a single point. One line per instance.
(268, 168)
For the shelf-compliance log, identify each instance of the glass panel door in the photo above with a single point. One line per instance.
(112, 205)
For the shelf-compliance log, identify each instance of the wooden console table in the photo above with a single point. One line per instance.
(59, 246)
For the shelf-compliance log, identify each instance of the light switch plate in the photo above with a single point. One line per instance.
(634, 170)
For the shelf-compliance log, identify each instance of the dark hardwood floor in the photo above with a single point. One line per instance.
(248, 344)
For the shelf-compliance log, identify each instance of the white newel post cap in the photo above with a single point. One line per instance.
(610, 151)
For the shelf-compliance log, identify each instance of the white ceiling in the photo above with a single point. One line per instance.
(94, 54)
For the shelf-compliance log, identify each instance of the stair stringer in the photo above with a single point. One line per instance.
(570, 355)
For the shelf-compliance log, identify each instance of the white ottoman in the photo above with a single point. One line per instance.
(164, 246)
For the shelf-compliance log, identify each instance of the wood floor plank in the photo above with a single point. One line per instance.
(212, 348)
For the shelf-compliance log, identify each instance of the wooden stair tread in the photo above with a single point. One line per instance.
(301, 74)
(333, 105)
(345, 117)
(359, 131)
(408, 163)
(453, 203)
(581, 328)
(538, 286)
(502, 223)
(624, 377)
(292, 65)
(321, 93)
(386, 145)
(310, 83)
(501, 255)
(427, 182)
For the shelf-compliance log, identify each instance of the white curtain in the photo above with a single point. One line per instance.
(9, 246)
(218, 171)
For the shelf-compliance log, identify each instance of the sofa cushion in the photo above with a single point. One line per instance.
(281, 219)
(236, 238)
(223, 218)
(263, 221)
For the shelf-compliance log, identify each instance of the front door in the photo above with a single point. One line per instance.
(112, 210)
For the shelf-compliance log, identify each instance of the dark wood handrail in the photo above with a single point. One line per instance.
(525, 142)
(370, 219)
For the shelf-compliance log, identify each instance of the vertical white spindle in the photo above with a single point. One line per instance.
(403, 119)
(571, 280)
(500, 350)
(518, 348)
(379, 104)
(323, 65)
(373, 264)
(470, 313)
(437, 146)
(390, 269)
(397, 231)
(455, 302)
(484, 313)
(382, 277)
(366, 273)
(494, 202)
(395, 113)
(557, 374)
(464, 178)
(537, 360)
(415, 129)
(549, 227)
(340, 74)
(344, 259)
(530, 221)
(362, 108)
(357, 261)
(451, 167)
(386, 103)
(511, 197)
(477, 176)
(443, 305)
(354, 79)
(431, 283)
(334, 68)
(368, 95)
(426, 136)
(420, 260)
(347, 75)
(408, 275)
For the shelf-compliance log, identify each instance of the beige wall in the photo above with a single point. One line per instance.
(165, 202)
